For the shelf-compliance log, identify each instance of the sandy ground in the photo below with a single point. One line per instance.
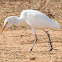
(15, 46)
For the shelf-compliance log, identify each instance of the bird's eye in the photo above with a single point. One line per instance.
(3, 22)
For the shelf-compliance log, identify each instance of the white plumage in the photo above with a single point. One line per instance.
(35, 19)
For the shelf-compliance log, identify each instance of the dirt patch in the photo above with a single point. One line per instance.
(14, 48)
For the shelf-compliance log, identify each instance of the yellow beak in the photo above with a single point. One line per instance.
(3, 28)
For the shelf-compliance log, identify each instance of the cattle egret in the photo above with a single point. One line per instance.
(35, 19)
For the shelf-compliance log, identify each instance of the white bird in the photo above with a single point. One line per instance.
(35, 19)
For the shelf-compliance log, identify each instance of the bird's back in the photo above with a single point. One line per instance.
(37, 19)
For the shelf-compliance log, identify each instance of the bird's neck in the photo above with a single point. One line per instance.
(21, 21)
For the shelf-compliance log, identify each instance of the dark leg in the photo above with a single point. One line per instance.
(50, 41)
(34, 42)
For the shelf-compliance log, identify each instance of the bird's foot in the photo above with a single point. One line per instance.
(30, 49)
(53, 49)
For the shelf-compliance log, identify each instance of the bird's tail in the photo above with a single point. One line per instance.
(56, 24)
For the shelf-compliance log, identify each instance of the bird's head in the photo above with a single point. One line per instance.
(9, 22)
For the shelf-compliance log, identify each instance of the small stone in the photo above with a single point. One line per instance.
(32, 58)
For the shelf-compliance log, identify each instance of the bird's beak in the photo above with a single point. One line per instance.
(4, 27)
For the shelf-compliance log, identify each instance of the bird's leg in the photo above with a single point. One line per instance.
(50, 41)
(35, 39)
(34, 42)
